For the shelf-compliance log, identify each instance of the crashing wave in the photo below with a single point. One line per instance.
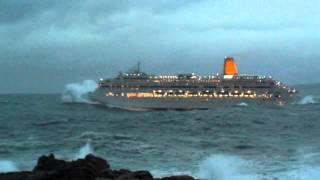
(301, 173)
(309, 99)
(78, 92)
(228, 167)
(7, 166)
(225, 167)
(84, 150)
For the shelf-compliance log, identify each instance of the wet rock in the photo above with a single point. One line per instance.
(89, 168)
(107, 173)
(138, 175)
(98, 163)
(101, 178)
(15, 175)
(182, 177)
(49, 163)
(117, 173)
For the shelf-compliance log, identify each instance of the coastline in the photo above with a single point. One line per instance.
(88, 168)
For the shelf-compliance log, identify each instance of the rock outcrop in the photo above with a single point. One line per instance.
(89, 168)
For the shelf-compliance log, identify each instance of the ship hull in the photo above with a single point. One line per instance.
(178, 103)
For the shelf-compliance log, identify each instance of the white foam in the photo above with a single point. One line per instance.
(302, 173)
(7, 166)
(84, 150)
(307, 100)
(168, 172)
(307, 167)
(225, 167)
(229, 167)
(243, 104)
(78, 92)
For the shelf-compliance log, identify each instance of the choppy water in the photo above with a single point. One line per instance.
(240, 142)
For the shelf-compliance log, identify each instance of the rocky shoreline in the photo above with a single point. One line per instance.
(89, 168)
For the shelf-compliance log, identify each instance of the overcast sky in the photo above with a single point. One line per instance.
(45, 44)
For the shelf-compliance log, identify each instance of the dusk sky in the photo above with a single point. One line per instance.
(46, 44)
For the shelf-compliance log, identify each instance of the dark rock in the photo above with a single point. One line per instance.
(182, 177)
(49, 163)
(15, 176)
(102, 178)
(117, 173)
(89, 168)
(138, 175)
(107, 173)
(98, 163)
(81, 173)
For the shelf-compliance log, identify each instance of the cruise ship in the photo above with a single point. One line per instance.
(136, 90)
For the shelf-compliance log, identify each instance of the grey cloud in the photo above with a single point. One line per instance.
(66, 41)
(20, 18)
(13, 11)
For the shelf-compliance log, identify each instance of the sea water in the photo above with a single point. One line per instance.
(237, 142)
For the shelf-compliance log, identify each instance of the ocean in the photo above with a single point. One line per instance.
(226, 143)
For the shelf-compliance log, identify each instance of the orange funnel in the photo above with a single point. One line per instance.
(230, 66)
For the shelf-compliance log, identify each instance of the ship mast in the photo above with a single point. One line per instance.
(138, 67)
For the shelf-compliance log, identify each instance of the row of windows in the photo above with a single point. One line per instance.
(190, 87)
(192, 94)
